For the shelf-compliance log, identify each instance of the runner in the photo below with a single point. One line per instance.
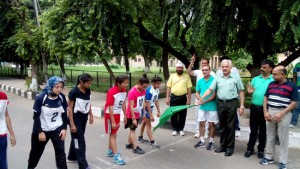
(151, 100)
(115, 103)
(136, 97)
(79, 108)
(5, 124)
(50, 122)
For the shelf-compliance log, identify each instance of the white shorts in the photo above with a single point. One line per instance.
(210, 116)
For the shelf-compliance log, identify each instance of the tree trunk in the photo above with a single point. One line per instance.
(22, 68)
(111, 73)
(118, 60)
(147, 63)
(254, 68)
(165, 52)
(34, 84)
(62, 69)
(126, 63)
(45, 68)
(165, 64)
(126, 53)
(291, 58)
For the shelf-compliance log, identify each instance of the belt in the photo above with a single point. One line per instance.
(229, 100)
(177, 95)
(256, 106)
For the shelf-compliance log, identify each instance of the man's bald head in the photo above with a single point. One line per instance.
(281, 69)
(279, 74)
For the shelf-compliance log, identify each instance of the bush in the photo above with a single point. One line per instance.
(115, 66)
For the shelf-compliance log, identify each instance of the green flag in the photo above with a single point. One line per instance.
(168, 113)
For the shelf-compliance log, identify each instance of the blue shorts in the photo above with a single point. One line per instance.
(147, 114)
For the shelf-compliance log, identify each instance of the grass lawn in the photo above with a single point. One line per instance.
(102, 80)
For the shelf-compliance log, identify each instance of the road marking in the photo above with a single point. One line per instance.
(140, 156)
(94, 166)
(104, 161)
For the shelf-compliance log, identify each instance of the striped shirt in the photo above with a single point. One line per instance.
(281, 95)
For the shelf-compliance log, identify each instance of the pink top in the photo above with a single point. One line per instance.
(138, 98)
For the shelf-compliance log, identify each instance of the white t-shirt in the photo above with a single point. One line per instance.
(233, 70)
(199, 74)
(3, 105)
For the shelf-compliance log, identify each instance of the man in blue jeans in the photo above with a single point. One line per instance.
(296, 80)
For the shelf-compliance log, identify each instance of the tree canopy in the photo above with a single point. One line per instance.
(87, 29)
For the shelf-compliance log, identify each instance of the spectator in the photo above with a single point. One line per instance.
(229, 88)
(179, 86)
(280, 99)
(258, 88)
(198, 73)
(296, 80)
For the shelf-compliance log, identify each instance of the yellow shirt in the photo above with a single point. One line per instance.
(179, 84)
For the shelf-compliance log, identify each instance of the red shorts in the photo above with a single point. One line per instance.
(108, 128)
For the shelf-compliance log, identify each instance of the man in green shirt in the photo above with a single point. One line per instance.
(296, 80)
(257, 88)
(229, 88)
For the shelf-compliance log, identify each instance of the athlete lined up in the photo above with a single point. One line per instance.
(152, 94)
(50, 122)
(115, 103)
(79, 108)
(136, 98)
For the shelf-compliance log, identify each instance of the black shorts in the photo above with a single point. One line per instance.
(130, 125)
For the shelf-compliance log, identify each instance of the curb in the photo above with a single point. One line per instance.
(21, 92)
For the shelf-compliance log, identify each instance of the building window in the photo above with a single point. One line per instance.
(139, 59)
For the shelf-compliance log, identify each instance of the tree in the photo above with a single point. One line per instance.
(251, 25)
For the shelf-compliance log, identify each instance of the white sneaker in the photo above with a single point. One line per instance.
(181, 133)
(174, 133)
(206, 135)
(292, 126)
(197, 135)
(71, 161)
(237, 133)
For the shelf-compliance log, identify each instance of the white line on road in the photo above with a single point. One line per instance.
(104, 161)
(94, 166)
(179, 141)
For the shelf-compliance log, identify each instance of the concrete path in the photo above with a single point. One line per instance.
(99, 99)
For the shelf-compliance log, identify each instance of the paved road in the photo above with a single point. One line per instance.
(176, 152)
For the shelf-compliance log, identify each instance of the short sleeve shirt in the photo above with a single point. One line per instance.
(260, 85)
(152, 95)
(202, 86)
(296, 71)
(281, 95)
(82, 101)
(3, 107)
(138, 97)
(227, 87)
(116, 98)
(179, 84)
(50, 111)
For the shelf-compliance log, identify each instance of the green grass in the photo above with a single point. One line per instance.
(102, 80)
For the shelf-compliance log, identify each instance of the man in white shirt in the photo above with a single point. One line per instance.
(198, 73)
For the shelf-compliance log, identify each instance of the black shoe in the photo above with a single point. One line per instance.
(129, 146)
(260, 154)
(228, 153)
(248, 153)
(220, 150)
